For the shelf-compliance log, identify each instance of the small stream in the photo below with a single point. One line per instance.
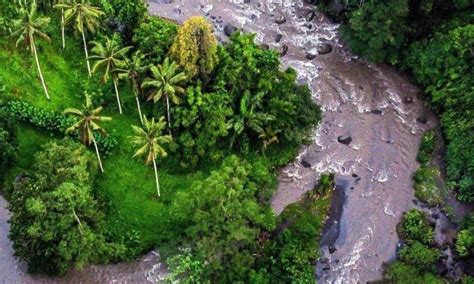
(373, 121)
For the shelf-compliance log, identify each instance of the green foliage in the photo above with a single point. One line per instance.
(427, 147)
(8, 143)
(465, 238)
(52, 121)
(154, 37)
(444, 66)
(222, 221)
(195, 48)
(415, 227)
(420, 256)
(185, 269)
(377, 29)
(290, 255)
(400, 272)
(201, 121)
(123, 15)
(428, 185)
(56, 222)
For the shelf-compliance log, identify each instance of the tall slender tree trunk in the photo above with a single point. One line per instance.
(62, 28)
(98, 155)
(86, 52)
(168, 111)
(39, 67)
(117, 94)
(137, 92)
(139, 109)
(77, 219)
(156, 178)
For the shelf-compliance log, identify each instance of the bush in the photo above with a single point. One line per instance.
(52, 121)
(465, 238)
(415, 227)
(56, 222)
(427, 147)
(400, 272)
(7, 143)
(428, 185)
(420, 256)
(154, 37)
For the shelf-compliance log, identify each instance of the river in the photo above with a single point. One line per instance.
(374, 110)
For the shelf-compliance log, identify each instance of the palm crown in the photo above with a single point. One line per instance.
(149, 139)
(165, 84)
(87, 121)
(108, 57)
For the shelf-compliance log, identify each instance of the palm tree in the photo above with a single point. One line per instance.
(250, 117)
(131, 72)
(87, 124)
(27, 27)
(63, 18)
(268, 136)
(109, 57)
(165, 84)
(149, 141)
(85, 18)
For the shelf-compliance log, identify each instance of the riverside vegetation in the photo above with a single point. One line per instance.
(109, 91)
(432, 40)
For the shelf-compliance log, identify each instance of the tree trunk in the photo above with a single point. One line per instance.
(117, 95)
(139, 109)
(38, 65)
(156, 178)
(77, 219)
(62, 28)
(85, 51)
(168, 111)
(98, 155)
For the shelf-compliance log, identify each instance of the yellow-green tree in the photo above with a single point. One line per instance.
(195, 48)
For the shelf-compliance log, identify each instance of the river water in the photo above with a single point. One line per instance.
(372, 104)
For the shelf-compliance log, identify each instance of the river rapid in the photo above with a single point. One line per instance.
(369, 136)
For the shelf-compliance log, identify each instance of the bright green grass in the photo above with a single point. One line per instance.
(127, 186)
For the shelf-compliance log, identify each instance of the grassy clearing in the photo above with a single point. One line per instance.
(134, 213)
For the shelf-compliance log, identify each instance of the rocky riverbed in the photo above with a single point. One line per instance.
(373, 121)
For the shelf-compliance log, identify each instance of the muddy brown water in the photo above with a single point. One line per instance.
(373, 104)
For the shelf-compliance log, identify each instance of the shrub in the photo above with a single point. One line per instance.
(154, 37)
(415, 227)
(7, 142)
(427, 147)
(53, 122)
(400, 272)
(428, 185)
(465, 238)
(420, 256)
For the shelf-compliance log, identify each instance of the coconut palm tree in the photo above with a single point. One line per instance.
(164, 83)
(87, 124)
(109, 57)
(63, 18)
(149, 141)
(85, 19)
(27, 27)
(132, 70)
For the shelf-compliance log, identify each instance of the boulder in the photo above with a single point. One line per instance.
(305, 163)
(345, 139)
(278, 37)
(284, 50)
(310, 15)
(324, 48)
(422, 119)
(280, 20)
(229, 29)
(310, 56)
(332, 249)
